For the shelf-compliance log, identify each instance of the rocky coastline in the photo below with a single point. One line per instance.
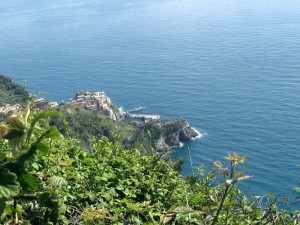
(166, 134)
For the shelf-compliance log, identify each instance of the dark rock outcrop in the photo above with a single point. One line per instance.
(172, 133)
(187, 134)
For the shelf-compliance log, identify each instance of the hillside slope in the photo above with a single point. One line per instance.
(12, 93)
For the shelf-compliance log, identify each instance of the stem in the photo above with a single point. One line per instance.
(220, 206)
(227, 190)
(15, 215)
(227, 211)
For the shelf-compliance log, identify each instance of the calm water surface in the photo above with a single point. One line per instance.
(232, 68)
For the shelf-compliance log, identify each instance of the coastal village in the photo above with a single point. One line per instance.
(10, 109)
(99, 101)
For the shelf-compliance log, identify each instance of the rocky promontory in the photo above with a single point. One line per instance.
(165, 133)
(171, 133)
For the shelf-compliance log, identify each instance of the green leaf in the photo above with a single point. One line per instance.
(26, 158)
(28, 181)
(15, 144)
(149, 134)
(57, 182)
(9, 185)
(52, 133)
(91, 196)
(271, 195)
(39, 116)
(134, 207)
(43, 149)
(62, 209)
(35, 165)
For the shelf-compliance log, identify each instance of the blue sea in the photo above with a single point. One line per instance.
(230, 67)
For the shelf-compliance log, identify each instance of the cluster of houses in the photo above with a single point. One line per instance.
(10, 109)
(41, 103)
(92, 100)
(97, 101)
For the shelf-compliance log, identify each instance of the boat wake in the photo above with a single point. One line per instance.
(136, 109)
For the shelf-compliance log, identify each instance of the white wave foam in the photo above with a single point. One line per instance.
(199, 134)
(181, 145)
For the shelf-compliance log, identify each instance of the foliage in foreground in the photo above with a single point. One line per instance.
(46, 179)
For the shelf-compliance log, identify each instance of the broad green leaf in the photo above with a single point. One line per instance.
(271, 195)
(91, 197)
(28, 181)
(39, 116)
(9, 185)
(124, 200)
(51, 133)
(15, 144)
(8, 209)
(62, 209)
(43, 149)
(35, 165)
(26, 158)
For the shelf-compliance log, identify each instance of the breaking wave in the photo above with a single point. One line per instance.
(199, 134)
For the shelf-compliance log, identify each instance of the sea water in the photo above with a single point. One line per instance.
(231, 68)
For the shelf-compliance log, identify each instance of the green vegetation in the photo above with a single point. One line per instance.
(12, 93)
(107, 172)
(48, 179)
(83, 124)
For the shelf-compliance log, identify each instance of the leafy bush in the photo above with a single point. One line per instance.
(48, 179)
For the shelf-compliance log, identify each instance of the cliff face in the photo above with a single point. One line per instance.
(171, 133)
